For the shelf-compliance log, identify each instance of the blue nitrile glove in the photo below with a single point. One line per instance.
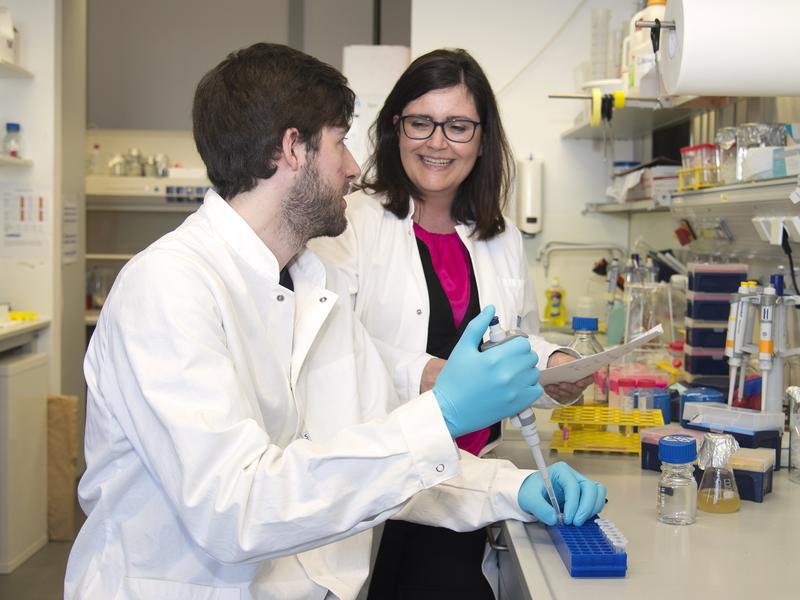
(579, 498)
(476, 389)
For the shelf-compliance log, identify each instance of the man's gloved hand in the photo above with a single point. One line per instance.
(579, 498)
(476, 389)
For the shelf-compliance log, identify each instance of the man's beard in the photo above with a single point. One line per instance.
(313, 209)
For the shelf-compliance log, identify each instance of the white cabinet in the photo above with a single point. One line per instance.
(23, 457)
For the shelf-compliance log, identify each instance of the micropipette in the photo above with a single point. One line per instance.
(526, 420)
(735, 323)
(766, 343)
(527, 426)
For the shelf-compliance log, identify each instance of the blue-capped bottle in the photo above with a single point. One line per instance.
(677, 488)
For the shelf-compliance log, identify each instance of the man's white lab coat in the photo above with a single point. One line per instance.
(238, 444)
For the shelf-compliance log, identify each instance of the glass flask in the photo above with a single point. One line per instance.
(718, 492)
(677, 488)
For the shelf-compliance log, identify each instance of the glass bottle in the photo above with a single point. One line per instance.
(12, 142)
(718, 492)
(677, 489)
(93, 161)
(585, 343)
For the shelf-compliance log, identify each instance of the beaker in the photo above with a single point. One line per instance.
(717, 492)
(100, 281)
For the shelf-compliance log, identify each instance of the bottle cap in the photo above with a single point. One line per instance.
(12, 127)
(584, 323)
(677, 449)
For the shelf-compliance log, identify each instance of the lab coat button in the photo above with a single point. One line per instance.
(439, 468)
(323, 299)
(419, 311)
(280, 298)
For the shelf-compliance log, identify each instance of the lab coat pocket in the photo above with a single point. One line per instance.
(512, 294)
(136, 588)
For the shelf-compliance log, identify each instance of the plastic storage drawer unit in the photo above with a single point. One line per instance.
(706, 334)
(717, 279)
(708, 307)
(705, 361)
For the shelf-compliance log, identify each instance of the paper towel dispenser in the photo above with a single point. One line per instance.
(528, 199)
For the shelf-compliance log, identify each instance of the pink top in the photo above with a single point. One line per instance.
(450, 261)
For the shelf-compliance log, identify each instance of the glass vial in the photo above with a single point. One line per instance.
(677, 489)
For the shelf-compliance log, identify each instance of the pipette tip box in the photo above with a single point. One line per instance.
(588, 551)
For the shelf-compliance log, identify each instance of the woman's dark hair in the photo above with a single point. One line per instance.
(243, 106)
(481, 195)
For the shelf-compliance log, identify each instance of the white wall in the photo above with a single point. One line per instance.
(27, 282)
(504, 36)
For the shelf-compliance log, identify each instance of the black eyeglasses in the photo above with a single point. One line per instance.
(421, 127)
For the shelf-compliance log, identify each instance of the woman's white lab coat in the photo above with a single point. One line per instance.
(237, 440)
(378, 252)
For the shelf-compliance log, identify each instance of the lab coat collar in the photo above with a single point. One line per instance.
(244, 241)
(240, 236)
(464, 230)
(313, 302)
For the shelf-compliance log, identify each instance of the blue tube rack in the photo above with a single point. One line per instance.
(587, 552)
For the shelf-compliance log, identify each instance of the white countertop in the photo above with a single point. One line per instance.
(753, 553)
(18, 333)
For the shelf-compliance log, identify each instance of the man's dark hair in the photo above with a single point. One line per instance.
(482, 194)
(243, 106)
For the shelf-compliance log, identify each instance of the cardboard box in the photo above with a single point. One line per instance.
(786, 161)
(62, 465)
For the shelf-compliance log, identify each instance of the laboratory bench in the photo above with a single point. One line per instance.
(15, 334)
(744, 555)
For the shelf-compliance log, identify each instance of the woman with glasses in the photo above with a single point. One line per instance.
(426, 247)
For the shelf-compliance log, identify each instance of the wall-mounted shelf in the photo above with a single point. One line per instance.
(636, 206)
(110, 257)
(144, 194)
(11, 71)
(768, 190)
(8, 161)
(633, 121)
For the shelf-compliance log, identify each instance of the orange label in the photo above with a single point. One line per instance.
(765, 347)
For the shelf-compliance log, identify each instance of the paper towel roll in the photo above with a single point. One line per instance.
(731, 48)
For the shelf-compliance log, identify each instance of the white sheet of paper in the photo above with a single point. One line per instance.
(578, 369)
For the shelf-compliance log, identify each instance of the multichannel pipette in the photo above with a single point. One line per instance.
(526, 420)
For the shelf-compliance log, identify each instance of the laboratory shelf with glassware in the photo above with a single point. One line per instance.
(133, 197)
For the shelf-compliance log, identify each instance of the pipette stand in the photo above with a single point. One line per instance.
(772, 368)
